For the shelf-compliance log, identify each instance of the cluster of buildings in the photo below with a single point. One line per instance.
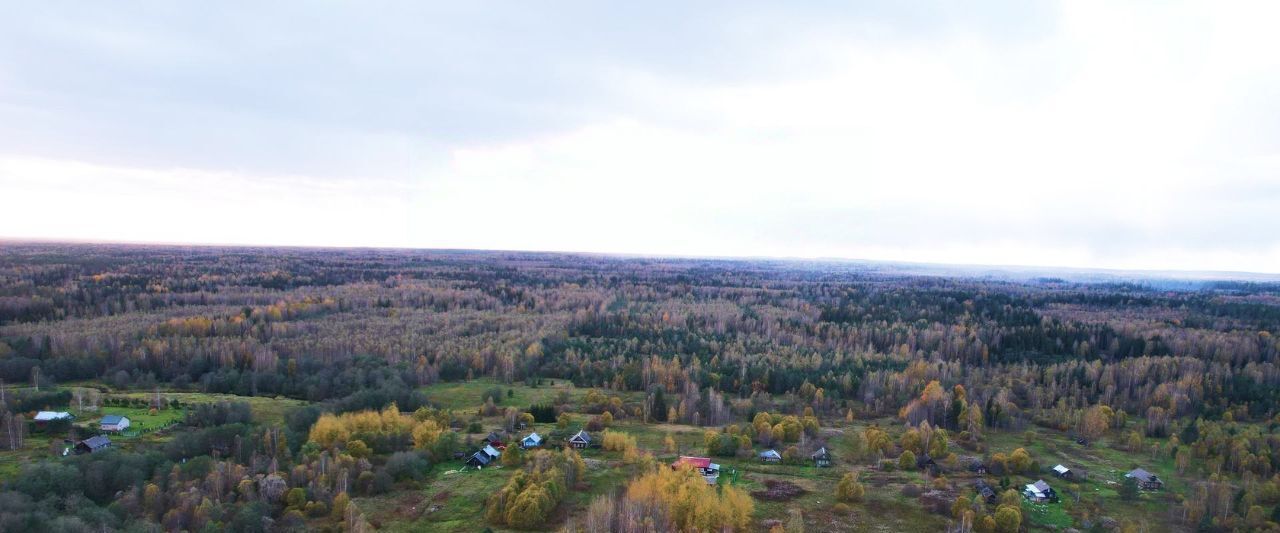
(109, 423)
(821, 458)
(112, 423)
(493, 446)
(97, 443)
(490, 452)
(1042, 492)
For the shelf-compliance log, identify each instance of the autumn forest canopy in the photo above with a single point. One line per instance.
(872, 364)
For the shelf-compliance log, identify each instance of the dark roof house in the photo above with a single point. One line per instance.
(1146, 480)
(985, 491)
(479, 459)
(581, 439)
(93, 444)
(821, 458)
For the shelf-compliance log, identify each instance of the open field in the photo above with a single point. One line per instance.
(468, 395)
(265, 409)
(141, 418)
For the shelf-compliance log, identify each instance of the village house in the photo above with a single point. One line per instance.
(978, 467)
(482, 458)
(985, 491)
(493, 439)
(44, 417)
(1063, 472)
(1039, 492)
(92, 444)
(770, 456)
(491, 451)
(709, 470)
(580, 440)
(821, 458)
(479, 459)
(1146, 480)
(532, 441)
(114, 423)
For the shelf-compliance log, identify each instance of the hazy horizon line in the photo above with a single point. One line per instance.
(1026, 269)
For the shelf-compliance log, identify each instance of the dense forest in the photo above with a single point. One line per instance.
(1188, 373)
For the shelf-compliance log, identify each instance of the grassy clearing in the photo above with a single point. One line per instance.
(141, 418)
(448, 502)
(269, 411)
(1049, 515)
(34, 449)
(1105, 466)
(469, 395)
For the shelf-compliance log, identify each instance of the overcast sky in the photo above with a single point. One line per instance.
(1087, 134)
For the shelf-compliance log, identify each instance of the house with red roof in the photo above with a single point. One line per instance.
(709, 470)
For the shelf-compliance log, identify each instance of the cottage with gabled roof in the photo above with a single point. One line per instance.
(770, 456)
(580, 440)
(821, 458)
(1039, 492)
(491, 451)
(114, 423)
(709, 470)
(532, 441)
(985, 491)
(493, 439)
(1146, 480)
(1062, 472)
(484, 456)
(93, 444)
(479, 459)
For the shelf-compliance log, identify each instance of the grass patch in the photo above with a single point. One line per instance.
(266, 410)
(448, 502)
(141, 418)
(1047, 515)
(469, 395)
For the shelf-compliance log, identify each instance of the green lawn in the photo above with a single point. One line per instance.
(141, 418)
(34, 449)
(269, 411)
(469, 395)
(1051, 515)
(1105, 466)
(451, 500)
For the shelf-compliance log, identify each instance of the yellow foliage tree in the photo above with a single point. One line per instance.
(849, 489)
(692, 504)
(425, 434)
